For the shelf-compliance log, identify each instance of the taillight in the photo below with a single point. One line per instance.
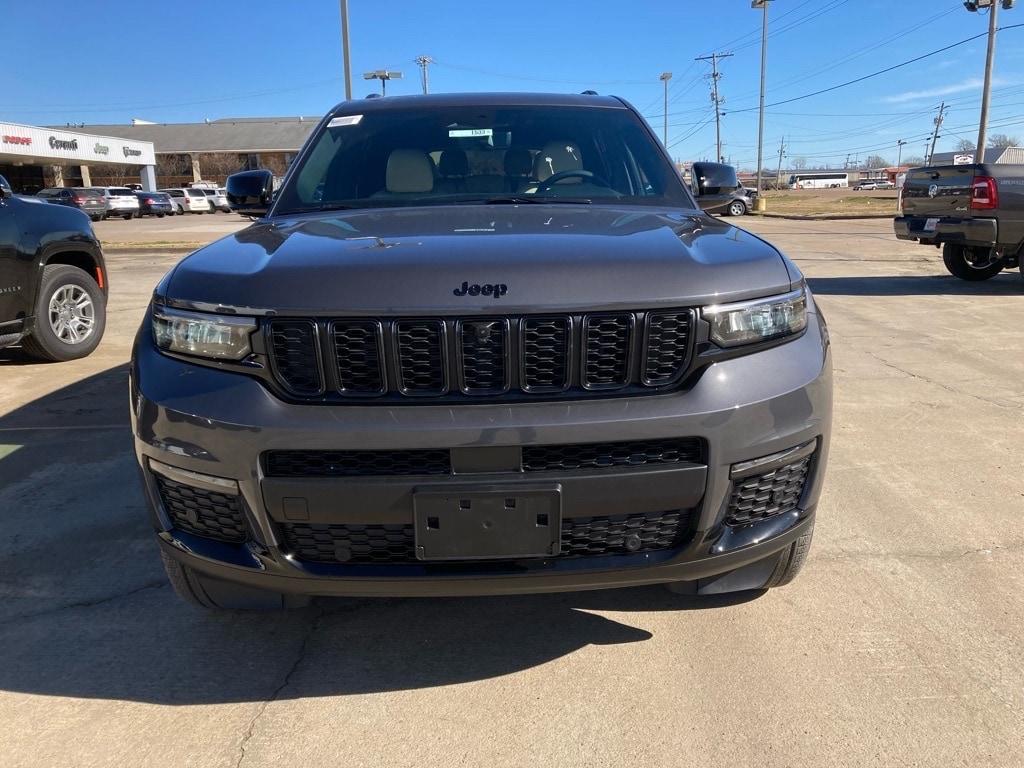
(984, 193)
(78, 200)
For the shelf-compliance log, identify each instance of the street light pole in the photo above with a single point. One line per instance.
(665, 77)
(345, 50)
(383, 75)
(899, 153)
(763, 5)
(993, 12)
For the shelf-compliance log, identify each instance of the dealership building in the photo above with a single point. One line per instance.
(32, 158)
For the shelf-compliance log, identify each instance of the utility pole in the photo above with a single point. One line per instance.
(935, 133)
(665, 77)
(993, 12)
(715, 98)
(899, 153)
(778, 173)
(424, 62)
(763, 5)
(345, 51)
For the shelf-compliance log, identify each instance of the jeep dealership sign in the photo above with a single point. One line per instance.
(67, 147)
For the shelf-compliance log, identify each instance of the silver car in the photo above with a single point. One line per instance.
(121, 201)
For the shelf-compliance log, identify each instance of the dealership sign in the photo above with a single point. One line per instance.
(39, 145)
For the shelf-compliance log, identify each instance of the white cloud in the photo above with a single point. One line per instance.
(971, 84)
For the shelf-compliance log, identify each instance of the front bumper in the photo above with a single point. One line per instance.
(977, 232)
(219, 424)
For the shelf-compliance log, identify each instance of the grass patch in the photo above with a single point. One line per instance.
(831, 202)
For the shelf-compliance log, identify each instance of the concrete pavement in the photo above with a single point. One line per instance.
(902, 643)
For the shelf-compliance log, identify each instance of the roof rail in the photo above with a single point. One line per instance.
(588, 93)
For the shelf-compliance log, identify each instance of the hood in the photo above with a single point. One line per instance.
(523, 258)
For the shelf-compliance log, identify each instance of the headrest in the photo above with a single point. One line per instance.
(453, 163)
(518, 161)
(409, 170)
(557, 156)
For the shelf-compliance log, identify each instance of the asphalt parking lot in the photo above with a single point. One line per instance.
(902, 643)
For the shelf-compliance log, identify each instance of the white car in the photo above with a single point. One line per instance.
(218, 199)
(188, 200)
(121, 201)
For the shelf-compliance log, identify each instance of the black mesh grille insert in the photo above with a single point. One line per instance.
(204, 513)
(421, 356)
(623, 534)
(296, 357)
(356, 463)
(773, 493)
(396, 544)
(545, 354)
(668, 346)
(606, 343)
(351, 543)
(633, 453)
(358, 356)
(484, 355)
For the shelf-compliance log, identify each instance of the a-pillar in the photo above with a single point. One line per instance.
(147, 177)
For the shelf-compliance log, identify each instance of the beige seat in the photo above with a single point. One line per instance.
(409, 172)
(558, 156)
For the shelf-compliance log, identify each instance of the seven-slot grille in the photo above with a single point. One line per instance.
(485, 357)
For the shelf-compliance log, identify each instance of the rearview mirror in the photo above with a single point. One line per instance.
(249, 192)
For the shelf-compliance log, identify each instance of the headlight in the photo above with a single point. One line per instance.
(219, 337)
(749, 322)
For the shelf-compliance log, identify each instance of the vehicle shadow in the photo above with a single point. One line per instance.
(1007, 284)
(85, 610)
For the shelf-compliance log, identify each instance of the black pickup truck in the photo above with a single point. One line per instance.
(53, 281)
(975, 213)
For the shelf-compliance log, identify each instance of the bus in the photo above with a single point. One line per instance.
(819, 180)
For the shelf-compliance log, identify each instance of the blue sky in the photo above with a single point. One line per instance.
(170, 61)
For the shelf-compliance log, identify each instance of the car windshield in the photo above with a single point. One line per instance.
(450, 155)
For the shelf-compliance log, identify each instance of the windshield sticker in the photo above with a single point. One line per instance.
(337, 122)
(465, 133)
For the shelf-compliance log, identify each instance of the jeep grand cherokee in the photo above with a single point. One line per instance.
(479, 344)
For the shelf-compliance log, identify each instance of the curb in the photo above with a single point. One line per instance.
(825, 216)
(147, 248)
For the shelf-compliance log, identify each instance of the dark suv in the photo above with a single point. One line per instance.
(479, 344)
(53, 282)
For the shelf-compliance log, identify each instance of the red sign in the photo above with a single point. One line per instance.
(22, 140)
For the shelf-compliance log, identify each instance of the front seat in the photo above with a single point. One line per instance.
(555, 157)
(409, 172)
(518, 164)
(453, 168)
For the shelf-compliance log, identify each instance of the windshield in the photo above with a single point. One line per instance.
(445, 155)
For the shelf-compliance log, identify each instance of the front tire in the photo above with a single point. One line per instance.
(969, 263)
(201, 591)
(737, 208)
(70, 315)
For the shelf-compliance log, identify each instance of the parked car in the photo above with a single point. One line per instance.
(121, 201)
(867, 184)
(218, 199)
(557, 375)
(717, 188)
(188, 200)
(53, 281)
(974, 212)
(89, 200)
(154, 204)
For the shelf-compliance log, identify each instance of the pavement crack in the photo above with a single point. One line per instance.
(90, 603)
(314, 625)
(942, 384)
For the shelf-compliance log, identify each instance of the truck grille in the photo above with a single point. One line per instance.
(437, 461)
(396, 544)
(489, 358)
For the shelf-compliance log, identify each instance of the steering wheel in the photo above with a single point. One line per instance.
(554, 178)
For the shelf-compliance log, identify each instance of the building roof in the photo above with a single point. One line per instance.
(1006, 155)
(270, 134)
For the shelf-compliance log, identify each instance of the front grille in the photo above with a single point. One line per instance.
(356, 463)
(632, 453)
(204, 513)
(769, 494)
(437, 461)
(396, 544)
(495, 358)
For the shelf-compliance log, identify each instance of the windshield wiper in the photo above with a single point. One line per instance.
(529, 199)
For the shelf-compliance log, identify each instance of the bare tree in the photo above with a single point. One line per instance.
(1002, 141)
(217, 166)
(965, 145)
(112, 175)
(799, 163)
(876, 161)
(913, 161)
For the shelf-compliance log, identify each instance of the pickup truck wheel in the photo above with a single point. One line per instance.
(201, 591)
(737, 208)
(968, 263)
(70, 315)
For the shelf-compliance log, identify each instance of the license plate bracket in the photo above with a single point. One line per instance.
(487, 522)
(930, 225)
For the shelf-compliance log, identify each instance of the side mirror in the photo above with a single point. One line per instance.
(250, 192)
(713, 185)
(5, 190)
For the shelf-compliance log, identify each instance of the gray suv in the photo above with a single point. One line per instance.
(479, 344)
